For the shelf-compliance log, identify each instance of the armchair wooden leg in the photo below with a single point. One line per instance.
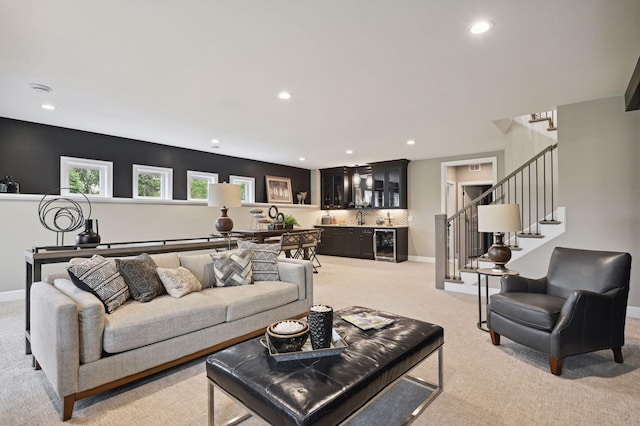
(617, 355)
(495, 338)
(555, 365)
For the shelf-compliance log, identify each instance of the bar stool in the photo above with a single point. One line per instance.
(290, 244)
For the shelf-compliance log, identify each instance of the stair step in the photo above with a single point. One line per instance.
(550, 222)
(529, 235)
(552, 129)
(457, 280)
(515, 248)
(470, 270)
(537, 120)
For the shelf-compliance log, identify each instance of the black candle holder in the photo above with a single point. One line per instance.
(320, 326)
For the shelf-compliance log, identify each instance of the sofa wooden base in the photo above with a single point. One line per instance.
(69, 400)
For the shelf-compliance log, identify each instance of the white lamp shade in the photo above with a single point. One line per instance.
(224, 195)
(499, 218)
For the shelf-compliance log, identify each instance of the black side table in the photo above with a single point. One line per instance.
(487, 272)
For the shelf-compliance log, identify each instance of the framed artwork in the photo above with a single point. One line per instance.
(279, 190)
(248, 185)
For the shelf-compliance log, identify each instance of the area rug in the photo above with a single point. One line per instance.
(394, 406)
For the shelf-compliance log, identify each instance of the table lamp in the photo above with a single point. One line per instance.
(224, 195)
(499, 218)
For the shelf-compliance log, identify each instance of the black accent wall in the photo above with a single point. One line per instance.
(30, 153)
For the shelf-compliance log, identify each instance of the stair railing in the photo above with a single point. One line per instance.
(459, 245)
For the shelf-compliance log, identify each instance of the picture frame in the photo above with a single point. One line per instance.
(279, 190)
(248, 184)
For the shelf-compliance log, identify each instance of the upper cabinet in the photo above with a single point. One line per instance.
(377, 185)
(390, 184)
(335, 188)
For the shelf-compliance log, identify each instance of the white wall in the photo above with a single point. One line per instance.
(119, 221)
(599, 184)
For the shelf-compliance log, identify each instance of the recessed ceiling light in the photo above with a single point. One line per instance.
(349, 151)
(215, 141)
(48, 107)
(284, 96)
(301, 158)
(481, 27)
(411, 142)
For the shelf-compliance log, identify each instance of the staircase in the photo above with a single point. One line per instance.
(548, 116)
(460, 248)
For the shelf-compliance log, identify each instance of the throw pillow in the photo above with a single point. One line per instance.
(179, 281)
(140, 275)
(264, 260)
(201, 266)
(100, 277)
(232, 268)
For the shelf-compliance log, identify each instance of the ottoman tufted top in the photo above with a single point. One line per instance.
(327, 390)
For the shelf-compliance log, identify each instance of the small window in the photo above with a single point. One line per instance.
(198, 184)
(475, 167)
(152, 182)
(247, 187)
(84, 176)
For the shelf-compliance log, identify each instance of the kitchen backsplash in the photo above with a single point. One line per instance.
(399, 217)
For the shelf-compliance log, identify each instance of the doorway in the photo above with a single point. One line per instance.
(478, 243)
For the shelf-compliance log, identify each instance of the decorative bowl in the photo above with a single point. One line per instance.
(284, 340)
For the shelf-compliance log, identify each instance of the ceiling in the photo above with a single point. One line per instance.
(365, 75)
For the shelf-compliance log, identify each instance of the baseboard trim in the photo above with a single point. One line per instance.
(633, 312)
(8, 296)
(423, 259)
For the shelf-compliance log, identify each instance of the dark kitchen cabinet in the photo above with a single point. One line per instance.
(335, 188)
(347, 241)
(389, 184)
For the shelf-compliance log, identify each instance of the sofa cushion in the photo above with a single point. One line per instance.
(178, 282)
(138, 324)
(100, 277)
(232, 268)
(243, 301)
(166, 260)
(264, 260)
(141, 277)
(201, 266)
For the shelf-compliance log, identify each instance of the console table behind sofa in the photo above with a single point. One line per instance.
(39, 256)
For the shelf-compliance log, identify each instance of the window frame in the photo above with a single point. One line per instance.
(250, 187)
(104, 167)
(166, 181)
(208, 176)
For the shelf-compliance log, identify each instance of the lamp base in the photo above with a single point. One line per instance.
(224, 224)
(499, 254)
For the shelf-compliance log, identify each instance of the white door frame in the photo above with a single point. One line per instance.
(443, 174)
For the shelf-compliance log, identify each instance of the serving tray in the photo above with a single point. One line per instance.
(338, 345)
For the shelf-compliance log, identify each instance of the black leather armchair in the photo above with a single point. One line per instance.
(579, 307)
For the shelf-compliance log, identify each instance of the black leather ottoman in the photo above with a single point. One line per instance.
(325, 391)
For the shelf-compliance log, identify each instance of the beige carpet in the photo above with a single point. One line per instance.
(483, 384)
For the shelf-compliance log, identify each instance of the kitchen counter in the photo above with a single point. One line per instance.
(334, 225)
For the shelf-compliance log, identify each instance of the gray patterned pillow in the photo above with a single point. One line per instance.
(100, 277)
(264, 260)
(140, 275)
(179, 281)
(232, 268)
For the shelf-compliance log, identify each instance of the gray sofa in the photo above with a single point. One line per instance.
(84, 351)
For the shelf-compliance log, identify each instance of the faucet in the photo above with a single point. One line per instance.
(360, 218)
